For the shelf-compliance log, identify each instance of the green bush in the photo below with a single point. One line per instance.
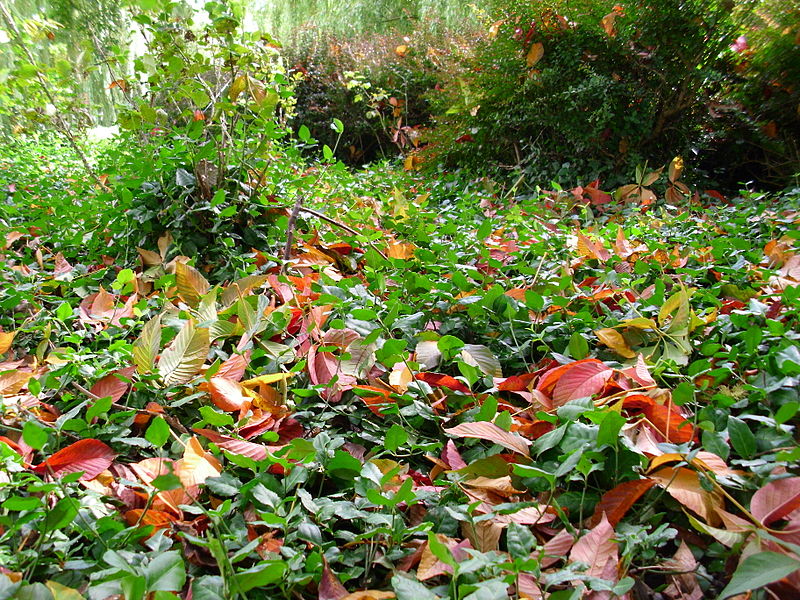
(584, 88)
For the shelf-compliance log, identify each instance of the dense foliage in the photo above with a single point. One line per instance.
(233, 367)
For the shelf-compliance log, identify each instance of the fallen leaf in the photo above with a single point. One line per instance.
(618, 500)
(582, 380)
(90, 456)
(197, 465)
(614, 340)
(667, 420)
(483, 430)
(440, 380)
(234, 445)
(330, 588)
(113, 384)
(228, 395)
(684, 485)
(776, 500)
(596, 548)
(6, 337)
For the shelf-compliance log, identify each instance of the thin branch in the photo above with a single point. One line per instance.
(347, 228)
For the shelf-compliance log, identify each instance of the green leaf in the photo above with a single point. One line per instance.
(408, 588)
(64, 311)
(742, 439)
(520, 540)
(608, 432)
(396, 436)
(208, 587)
(22, 503)
(166, 572)
(786, 412)
(100, 407)
(304, 134)
(183, 359)
(61, 514)
(214, 417)
(337, 126)
(158, 432)
(578, 346)
(364, 314)
(261, 575)
(146, 346)
(34, 435)
(758, 570)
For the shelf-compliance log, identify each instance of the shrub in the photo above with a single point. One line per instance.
(584, 86)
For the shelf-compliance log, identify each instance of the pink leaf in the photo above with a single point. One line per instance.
(776, 500)
(596, 549)
(452, 457)
(581, 381)
(90, 456)
(483, 430)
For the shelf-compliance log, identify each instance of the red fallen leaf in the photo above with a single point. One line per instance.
(257, 425)
(596, 548)
(584, 379)
(234, 367)
(483, 430)
(111, 385)
(228, 395)
(231, 444)
(376, 398)
(533, 429)
(666, 419)
(776, 500)
(464, 138)
(295, 323)
(288, 429)
(549, 378)
(557, 547)
(440, 380)
(90, 456)
(143, 418)
(330, 588)
(517, 383)
(617, 501)
(342, 248)
(159, 519)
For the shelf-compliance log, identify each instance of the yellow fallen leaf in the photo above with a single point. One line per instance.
(6, 337)
(267, 379)
(614, 340)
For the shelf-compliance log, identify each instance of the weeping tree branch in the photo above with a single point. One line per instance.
(61, 125)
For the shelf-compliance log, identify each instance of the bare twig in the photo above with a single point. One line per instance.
(347, 228)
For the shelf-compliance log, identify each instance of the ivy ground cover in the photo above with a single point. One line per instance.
(462, 395)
